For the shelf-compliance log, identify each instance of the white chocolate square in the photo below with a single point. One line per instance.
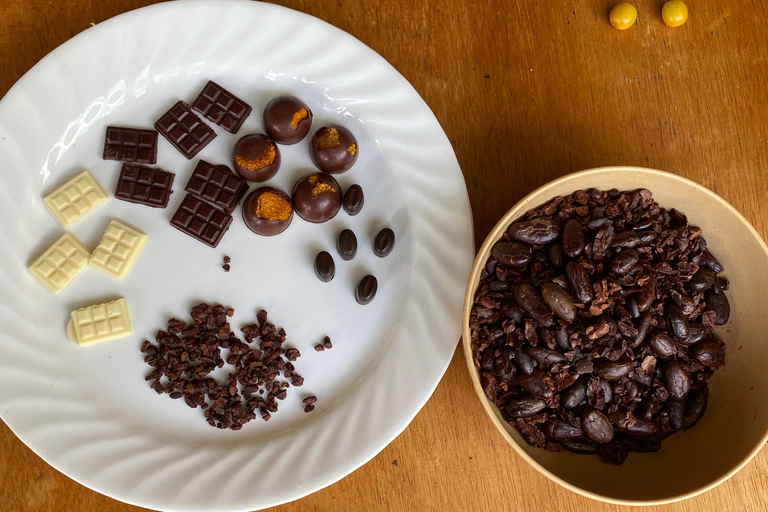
(118, 250)
(100, 322)
(59, 265)
(74, 199)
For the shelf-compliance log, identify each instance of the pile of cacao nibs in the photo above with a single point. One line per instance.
(593, 326)
(186, 354)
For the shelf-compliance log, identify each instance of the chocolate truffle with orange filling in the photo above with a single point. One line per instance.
(256, 157)
(317, 197)
(287, 120)
(267, 211)
(333, 149)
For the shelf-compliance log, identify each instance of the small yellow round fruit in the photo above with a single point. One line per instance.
(674, 13)
(623, 15)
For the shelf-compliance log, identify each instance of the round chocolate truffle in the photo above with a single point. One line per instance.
(333, 149)
(267, 211)
(287, 119)
(317, 197)
(256, 157)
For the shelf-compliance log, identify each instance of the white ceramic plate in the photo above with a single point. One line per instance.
(88, 411)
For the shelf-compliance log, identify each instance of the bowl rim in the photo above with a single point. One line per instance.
(513, 213)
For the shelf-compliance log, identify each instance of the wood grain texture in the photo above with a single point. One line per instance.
(527, 91)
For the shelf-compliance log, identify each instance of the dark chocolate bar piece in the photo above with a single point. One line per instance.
(218, 185)
(222, 107)
(200, 220)
(130, 145)
(144, 185)
(185, 130)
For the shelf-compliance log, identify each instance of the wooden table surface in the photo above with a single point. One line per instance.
(527, 90)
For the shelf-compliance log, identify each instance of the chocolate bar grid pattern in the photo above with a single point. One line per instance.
(130, 145)
(185, 130)
(222, 107)
(144, 185)
(200, 220)
(59, 265)
(101, 322)
(217, 184)
(118, 250)
(74, 199)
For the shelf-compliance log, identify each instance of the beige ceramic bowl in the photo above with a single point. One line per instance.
(735, 425)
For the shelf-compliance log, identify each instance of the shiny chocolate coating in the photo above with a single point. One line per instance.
(366, 290)
(325, 268)
(347, 244)
(353, 200)
(317, 197)
(287, 120)
(264, 211)
(333, 149)
(251, 159)
(384, 242)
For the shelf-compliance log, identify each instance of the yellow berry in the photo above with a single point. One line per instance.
(674, 13)
(623, 15)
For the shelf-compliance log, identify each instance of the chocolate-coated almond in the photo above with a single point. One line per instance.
(325, 268)
(347, 244)
(384, 242)
(354, 199)
(366, 290)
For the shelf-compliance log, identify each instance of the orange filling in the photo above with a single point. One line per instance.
(298, 117)
(270, 206)
(327, 139)
(321, 188)
(268, 158)
(318, 187)
(352, 149)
